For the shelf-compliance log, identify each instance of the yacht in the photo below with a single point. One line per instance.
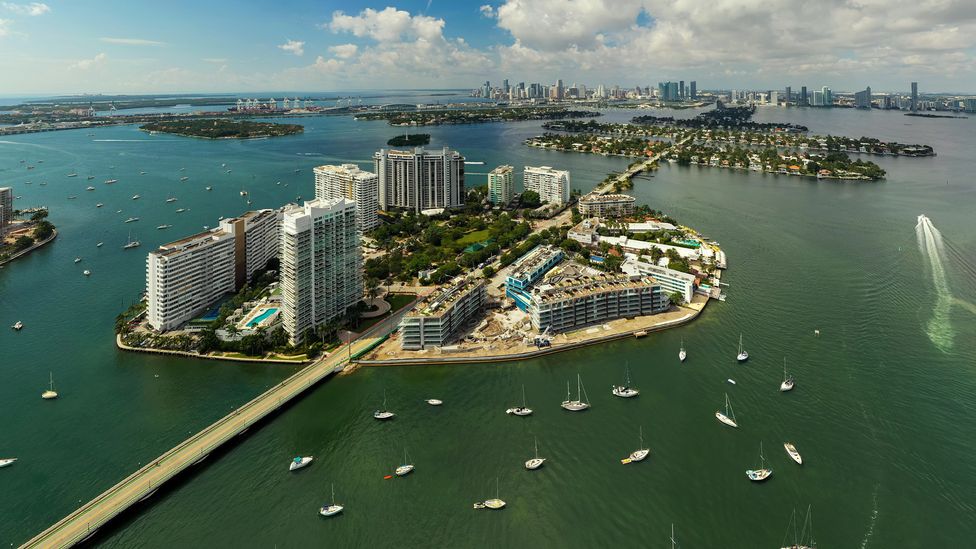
(537, 461)
(110, 181)
(86, 272)
(494, 503)
(794, 455)
(743, 354)
(728, 417)
(131, 243)
(50, 393)
(383, 413)
(18, 325)
(135, 197)
(99, 245)
(90, 177)
(434, 401)
(77, 260)
(788, 381)
(406, 468)
(625, 390)
(522, 410)
(6, 462)
(161, 227)
(761, 474)
(89, 188)
(581, 402)
(99, 205)
(132, 220)
(72, 174)
(184, 178)
(299, 462)
(330, 510)
(181, 210)
(640, 453)
(171, 199)
(682, 355)
(805, 539)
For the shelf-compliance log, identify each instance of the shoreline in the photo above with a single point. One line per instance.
(33, 247)
(124, 347)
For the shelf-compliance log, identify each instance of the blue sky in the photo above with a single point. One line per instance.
(72, 46)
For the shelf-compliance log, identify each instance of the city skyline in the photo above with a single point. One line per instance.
(62, 47)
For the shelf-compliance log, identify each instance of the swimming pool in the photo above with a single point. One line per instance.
(261, 317)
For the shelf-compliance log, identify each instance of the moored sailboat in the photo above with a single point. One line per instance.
(761, 474)
(788, 381)
(537, 461)
(522, 410)
(640, 453)
(728, 417)
(581, 403)
(383, 413)
(330, 510)
(625, 390)
(743, 354)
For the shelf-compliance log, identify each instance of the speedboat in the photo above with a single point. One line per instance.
(494, 504)
(171, 199)
(519, 411)
(90, 188)
(161, 227)
(90, 177)
(72, 174)
(135, 197)
(434, 402)
(791, 450)
(77, 260)
(99, 245)
(132, 220)
(209, 188)
(383, 414)
(110, 181)
(99, 205)
(624, 391)
(299, 462)
(18, 325)
(86, 272)
(7, 462)
(181, 210)
(184, 178)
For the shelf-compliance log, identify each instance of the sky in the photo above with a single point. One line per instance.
(136, 46)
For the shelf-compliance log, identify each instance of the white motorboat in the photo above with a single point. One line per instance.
(522, 410)
(171, 199)
(406, 468)
(330, 510)
(731, 381)
(77, 260)
(537, 461)
(581, 403)
(86, 272)
(72, 174)
(90, 188)
(132, 220)
(640, 453)
(761, 474)
(682, 355)
(299, 462)
(110, 181)
(494, 503)
(434, 401)
(181, 210)
(99, 245)
(728, 417)
(184, 178)
(625, 390)
(743, 354)
(99, 205)
(383, 413)
(209, 188)
(18, 325)
(788, 381)
(6, 462)
(161, 227)
(50, 393)
(136, 197)
(791, 450)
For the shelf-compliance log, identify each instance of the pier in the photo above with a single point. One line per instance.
(140, 485)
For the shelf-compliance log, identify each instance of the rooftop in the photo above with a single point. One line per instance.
(440, 301)
(190, 242)
(593, 197)
(584, 285)
(538, 256)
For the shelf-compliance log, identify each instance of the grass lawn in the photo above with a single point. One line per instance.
(397, 302)
(474, 237)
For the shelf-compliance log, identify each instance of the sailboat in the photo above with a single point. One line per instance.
(801, 542)
(522, 410)
(728, 417)
(50, 393)
(383, 413)
(581, 403)
(682, 355)
(788, 381)
(537, 461)
(743, 354)
(625, 390)
(761, 474)
(406, 468)
(640, 453)
(131, 243)
(494, 503)
(330, 510)
(7, 462)
(794, 455)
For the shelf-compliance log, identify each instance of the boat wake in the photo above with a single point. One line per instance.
(874, 519)
(938, 329)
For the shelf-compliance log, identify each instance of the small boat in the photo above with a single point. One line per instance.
(640, 333)
(802, 541)
(171, 199)
(110, 181)
(99, 245)
(135, 197)
(743, 354)
(72, 174)
(18, 325)
(131, 243)
(522, 410)
(788, 381)
(90, 188)
(494, 503)
(86, 272)
(791, 450)
(640, 453)
(50, 393)
(142, 173)
(731, 381)
(434, 402)
(581, 403)
(383, 413)
(728, 417)
(6, 462)
(406, 468)
(537, 461)
(90, 177)
(161, 227)
(77, 260)
(299, 462)
(132, 220)
(72, 197)
(209, 188)
(184, 178)
(99, 205)
(243, 193)
(330, 510)
(761, 474)
(682, 355)
(625, 390)
(181, 210)
(118, 211)
(816, 332)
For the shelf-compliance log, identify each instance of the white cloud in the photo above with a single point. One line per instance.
(295, 47)
(388, 25)
(131, 41)
(86, 64)
(344, 51)
(32, 9)
(4, 27)
(487, 11)
(551, 25)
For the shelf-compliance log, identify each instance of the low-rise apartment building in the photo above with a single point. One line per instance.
(439, 318)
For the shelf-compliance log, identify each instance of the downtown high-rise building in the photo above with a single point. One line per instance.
(552, 185)
(668, 91)
(321, 265)
(862, 99)
(804, 100)
(681, 90)
(419, 179)
(501, 185)
(828, 97)
(788, 96)
(6, 207)
(349, 181)
(914, 105)
(693, 94)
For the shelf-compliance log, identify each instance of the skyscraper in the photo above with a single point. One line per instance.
(486, 90)
(804, 100)
(501, 185)
(694, 90)
(668, 91)
(789, 96)
(552, 185)
(348, 181)
(914, 96)
(828, 97)
(862, 99)
(321, 263)
(419, 179)
(681, 90)
(6, 207)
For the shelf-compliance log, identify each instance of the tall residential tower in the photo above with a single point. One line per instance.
(419, 179)
(348, 181)
(501, 185)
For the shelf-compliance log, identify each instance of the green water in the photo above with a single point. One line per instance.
(882, 413)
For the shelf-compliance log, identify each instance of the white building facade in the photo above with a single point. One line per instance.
(419, 179)
(501, 185)
(552, 185)
(349, 181)
(6, 207)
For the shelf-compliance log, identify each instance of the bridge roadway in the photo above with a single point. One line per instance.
(138, 486)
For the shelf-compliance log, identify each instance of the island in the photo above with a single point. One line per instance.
(24, 235)
(409, 140)
(473, 116)
(209, 128)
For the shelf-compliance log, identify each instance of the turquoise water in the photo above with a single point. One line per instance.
(261, 317)
(882, 412)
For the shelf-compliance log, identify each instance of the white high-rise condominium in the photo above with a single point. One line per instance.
(552, 185)
(348, 181)
(501, 185)
(420, 179)
(6, 207)
(321, 264)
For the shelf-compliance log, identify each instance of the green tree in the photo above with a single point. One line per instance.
(208, 341)
(488, 271)
(530, 199)
(677, 298)
(22, 243)
(39, 215)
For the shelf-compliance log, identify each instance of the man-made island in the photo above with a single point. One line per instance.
(410, 140)
(210, 128)
(473, 116)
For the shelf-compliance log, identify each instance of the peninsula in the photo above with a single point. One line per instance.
(208, 128)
